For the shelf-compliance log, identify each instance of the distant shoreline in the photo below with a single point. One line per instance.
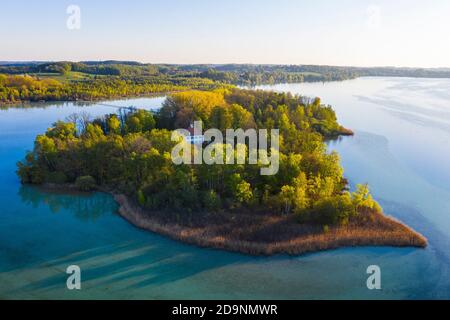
(18, 103)
(10, 104)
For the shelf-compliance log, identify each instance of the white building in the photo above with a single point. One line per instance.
(194, 139)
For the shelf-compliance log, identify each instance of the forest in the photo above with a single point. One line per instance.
(130, 154)
(20, 88)
(88, 81)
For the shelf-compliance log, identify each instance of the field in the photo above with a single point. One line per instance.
(70, 76)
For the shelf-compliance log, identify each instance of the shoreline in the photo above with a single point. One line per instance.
(9, 104)
(379, 230)
(400, 235)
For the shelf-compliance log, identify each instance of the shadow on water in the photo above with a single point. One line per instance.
(126, 257)
(133, 265)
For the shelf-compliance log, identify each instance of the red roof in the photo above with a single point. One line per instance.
(191, 131)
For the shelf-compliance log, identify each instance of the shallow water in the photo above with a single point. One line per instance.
(400, 147)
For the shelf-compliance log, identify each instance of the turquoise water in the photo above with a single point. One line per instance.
(400, 148)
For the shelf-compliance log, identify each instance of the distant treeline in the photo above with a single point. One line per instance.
(243, 74)
(101, 68)
(58, 81)
(269, 74)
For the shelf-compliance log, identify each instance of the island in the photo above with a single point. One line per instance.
(306, 206)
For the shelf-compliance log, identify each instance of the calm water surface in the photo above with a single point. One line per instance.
(401, 148)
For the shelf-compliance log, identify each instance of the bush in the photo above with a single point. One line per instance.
(332, 211)
(211, 201)
(141, 198)
(85, 183)
(57, 177)
(24, 172)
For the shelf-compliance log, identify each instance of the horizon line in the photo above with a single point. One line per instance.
(4, 62)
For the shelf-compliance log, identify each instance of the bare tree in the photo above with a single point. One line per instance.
(85, 119)
(74, 117)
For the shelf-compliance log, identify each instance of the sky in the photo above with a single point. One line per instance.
(410, 33)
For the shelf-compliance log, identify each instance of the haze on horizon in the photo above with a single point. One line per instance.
(402, 33)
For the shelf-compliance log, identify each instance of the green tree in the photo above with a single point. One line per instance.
(244, 192)
(114, 124)
(362, 199)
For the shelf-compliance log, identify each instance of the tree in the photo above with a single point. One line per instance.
(114, 124)
(362, 199)
(85, 183)
(211, 201)
(241, 118)
(239, 189)
(287, 196)
(244, 192)
(332, 210)
(301, 200)
(62, 130)
(140, 121)
(221, 118)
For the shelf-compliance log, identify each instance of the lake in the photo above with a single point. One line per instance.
(400, 148)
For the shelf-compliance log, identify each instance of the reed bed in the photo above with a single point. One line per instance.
(266, 234)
